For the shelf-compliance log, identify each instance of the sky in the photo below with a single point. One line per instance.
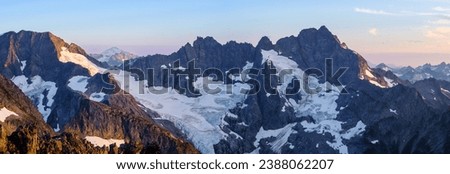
(396, 32)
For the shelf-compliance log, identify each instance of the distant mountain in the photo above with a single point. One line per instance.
(114, 56)
(436, 93)
(427, 71)
(431, 81)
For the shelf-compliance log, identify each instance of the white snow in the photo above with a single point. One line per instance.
(328, 126)
(445, 92)
(334, 127)
(291, 146)
(232, 115)
(5, 113)
(284, 66)
(35, 91)
(372, 79)
(78, 83)
(393, 111)
(357, 130)
(281, 136)
(100, 142)
(23, 65)
(201, 118)
(321, 105)
(97, 96)
(67, 56)
(391, 83)
(180, 68)
(369, 74)
(376, 83)
(374, 141)
(114, 56)
(57, 129)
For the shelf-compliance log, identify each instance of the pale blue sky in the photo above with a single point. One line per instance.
(382, 30)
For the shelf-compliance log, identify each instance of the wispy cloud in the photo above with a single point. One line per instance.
(441, 22)
(374, 12)
(373, 31)
(441, 9)
(440, 12)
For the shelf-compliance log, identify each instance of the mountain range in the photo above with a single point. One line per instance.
(307, 93)
(427, 71)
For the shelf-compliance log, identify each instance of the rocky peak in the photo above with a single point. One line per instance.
(265, 43)
(207, 42)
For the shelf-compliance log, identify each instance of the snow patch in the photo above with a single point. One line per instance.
(281, 136)
(57, 129)
(200, 118)
(67, 56)
(78, 83)
(36, 92)
(445, 92)
(23, 65)
(319, 103)
(393, 111)
(390, 83)
(369, 74)
(100, 142)
(97, 96)
(376, 83)
(5, 113)
(334, 127)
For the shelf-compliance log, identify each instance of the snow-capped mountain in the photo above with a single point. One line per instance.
(114, 56)
(71, 91)
(376, 113)
(427, 71)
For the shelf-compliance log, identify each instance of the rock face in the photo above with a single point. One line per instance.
(21, 132)
(76, 100)
(366, 110)
(435, 93)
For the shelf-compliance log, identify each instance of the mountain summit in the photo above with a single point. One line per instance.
(114, 56)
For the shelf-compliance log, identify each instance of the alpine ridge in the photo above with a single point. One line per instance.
(377, 113)
(66, 86)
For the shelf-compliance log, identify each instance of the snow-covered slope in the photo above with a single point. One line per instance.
(5, 113)
(67, 56)
(202, 118)
(320, 105)
(199, 118)
(100, 142)
(39, 91)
